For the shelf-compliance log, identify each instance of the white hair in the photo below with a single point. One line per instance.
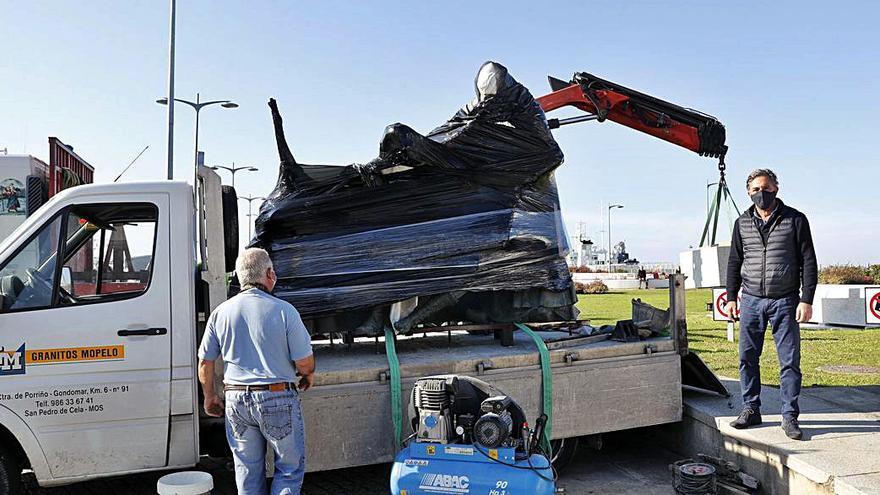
(252, 265)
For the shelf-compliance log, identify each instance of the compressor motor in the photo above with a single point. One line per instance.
(468, 437)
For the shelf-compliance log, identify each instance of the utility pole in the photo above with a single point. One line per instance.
(171, 91)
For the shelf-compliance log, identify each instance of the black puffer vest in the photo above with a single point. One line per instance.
(770, 270)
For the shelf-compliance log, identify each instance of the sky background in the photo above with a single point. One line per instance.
(795, 84)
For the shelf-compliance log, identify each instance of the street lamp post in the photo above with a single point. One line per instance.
(708, 185)
(610, 207)
(233, 169)
(198, 105)
(250, 200)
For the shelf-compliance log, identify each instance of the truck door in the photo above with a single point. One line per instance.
(84, 331)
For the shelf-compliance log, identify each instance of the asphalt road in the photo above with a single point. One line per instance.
(628, 463)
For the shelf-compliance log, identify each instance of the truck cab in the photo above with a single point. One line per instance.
(97, 334)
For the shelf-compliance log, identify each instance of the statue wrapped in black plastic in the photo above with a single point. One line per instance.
(459, 225)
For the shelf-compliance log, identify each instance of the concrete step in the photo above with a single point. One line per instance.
(840, 453)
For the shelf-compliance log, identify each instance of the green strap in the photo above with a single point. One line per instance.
(705, 235)
(713, 207)
(394, 366)
(546, 382)
(715, 220)
(722, 195)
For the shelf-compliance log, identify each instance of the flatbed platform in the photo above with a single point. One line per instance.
(365, 359)
(598, 385)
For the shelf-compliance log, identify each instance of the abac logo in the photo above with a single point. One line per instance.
(445, 483)
(12, 362)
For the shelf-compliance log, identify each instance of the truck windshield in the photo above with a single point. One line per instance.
(107, 250)
(26, 280)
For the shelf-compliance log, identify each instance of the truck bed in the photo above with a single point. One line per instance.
(598, 386)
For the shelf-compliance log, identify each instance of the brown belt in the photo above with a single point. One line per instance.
(275, 387)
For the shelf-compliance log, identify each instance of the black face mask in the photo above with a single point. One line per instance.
(763, 199)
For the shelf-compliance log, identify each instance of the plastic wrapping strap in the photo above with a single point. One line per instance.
(394, 367)
(546, 384)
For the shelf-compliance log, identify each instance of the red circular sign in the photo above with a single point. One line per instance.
(874, 305)
(722, 301)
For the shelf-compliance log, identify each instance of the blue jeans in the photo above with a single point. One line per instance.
(255, 418)
(757, 312)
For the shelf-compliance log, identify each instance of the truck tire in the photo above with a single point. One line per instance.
(10, 474)
(230, 226)
(563, 451)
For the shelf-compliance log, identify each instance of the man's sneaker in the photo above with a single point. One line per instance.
(792, 429)
(748, 417)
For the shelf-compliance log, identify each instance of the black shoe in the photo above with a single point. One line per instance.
(748, 417)
(792, 429)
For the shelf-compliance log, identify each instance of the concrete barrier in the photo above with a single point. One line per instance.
(619, 281)
(840, 305)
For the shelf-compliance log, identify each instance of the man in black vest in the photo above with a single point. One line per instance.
(772, 260)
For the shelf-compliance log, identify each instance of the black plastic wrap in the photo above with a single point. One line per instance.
(465, 218)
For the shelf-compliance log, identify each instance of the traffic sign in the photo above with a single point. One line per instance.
(719, 300)
(872, 305)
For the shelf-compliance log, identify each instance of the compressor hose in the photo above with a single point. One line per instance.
(530, 467)
(694, 479)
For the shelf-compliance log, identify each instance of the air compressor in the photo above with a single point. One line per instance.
(468, 438)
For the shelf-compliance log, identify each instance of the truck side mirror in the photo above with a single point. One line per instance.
(67, 279)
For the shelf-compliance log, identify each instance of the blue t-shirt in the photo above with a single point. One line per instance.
(258, 336)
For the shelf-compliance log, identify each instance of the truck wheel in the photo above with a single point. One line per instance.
(10, 474)
(563, 451)
(230, 226)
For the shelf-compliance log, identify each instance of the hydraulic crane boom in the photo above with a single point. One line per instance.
(604, 99)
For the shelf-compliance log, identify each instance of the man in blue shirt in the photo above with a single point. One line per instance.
(264, 346)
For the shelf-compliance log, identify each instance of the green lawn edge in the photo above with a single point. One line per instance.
(708, 338)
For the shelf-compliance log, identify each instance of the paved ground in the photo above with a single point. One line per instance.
(840, 452)
(627, 464)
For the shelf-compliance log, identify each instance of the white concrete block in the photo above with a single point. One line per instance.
(705, 266)
(839, 305)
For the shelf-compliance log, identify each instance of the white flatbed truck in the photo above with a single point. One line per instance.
(98, 361)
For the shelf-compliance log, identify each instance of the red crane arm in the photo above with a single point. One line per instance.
(603, 99)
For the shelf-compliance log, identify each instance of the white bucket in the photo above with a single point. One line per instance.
(185, 483)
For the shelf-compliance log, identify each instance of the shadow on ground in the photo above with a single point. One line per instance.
(628, 463)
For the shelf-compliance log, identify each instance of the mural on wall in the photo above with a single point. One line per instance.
(12, 200)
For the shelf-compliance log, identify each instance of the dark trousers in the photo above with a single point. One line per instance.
(757, 312)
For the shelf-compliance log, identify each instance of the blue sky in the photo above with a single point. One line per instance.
(794, 83)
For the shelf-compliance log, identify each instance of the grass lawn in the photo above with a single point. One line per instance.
(709, 339)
